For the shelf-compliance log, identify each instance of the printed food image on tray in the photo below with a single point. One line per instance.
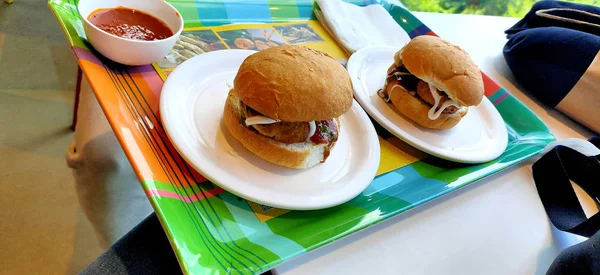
(252, 39)
(298, 34)
(190, 44)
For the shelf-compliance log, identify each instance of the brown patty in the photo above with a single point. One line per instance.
(425, 94)
(286, 132)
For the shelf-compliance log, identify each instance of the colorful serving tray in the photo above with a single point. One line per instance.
(212, 231)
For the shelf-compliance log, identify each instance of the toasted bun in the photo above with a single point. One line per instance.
(445, 66)
(417, 110)
(293, 84)
(297, 155)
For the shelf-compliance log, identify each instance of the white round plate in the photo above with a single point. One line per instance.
(191, 108)
(479, 137)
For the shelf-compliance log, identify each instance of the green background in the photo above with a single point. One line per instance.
(509, 8)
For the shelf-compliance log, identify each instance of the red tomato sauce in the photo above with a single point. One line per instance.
(326, 132)
(129, 23)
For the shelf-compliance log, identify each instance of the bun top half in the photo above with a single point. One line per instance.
(444, 65)
(294, 84)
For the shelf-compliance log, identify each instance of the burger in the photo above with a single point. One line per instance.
(285, 105)
(432, 82)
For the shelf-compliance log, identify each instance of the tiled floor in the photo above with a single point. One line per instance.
(42, 229)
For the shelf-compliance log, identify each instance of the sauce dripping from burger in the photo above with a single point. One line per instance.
(408, 82)
(435, 112)
(405, 79)
(327, 133)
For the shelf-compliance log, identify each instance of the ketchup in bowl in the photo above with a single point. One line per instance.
(130, 24)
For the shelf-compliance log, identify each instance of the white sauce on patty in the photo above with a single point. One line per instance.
(433, 114)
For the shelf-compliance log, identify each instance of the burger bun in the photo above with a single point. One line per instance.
(294, 84)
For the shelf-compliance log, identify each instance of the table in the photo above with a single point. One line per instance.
(494, 226)
(496, 221)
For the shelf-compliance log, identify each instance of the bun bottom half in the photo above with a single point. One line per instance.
(297, 155)
(418, 111)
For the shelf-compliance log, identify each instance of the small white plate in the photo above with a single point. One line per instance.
(479, 137)
(191, 108)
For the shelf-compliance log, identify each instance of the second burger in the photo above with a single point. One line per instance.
(433, 82)
(286, 103)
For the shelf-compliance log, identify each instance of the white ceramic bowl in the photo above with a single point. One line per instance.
(128, 51)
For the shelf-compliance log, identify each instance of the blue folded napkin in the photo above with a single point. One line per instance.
(554, 54)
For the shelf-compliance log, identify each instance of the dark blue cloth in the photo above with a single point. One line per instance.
(553, 174)
(580, 259)
(548, 56)
(144, 250)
